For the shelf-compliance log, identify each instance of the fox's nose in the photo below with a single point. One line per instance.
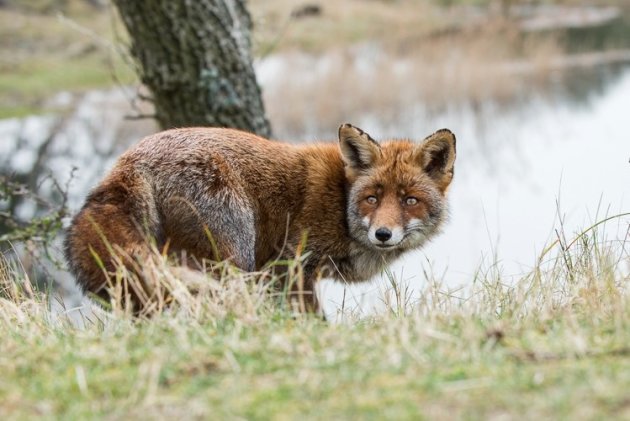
(383, 234)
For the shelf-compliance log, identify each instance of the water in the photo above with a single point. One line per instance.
(521, 170)
(523, 166)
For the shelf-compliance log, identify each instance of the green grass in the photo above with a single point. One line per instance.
(552, 346)
(66, 48)
(24, 91)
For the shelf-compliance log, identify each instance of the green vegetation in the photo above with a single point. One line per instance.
(45, 53)
(553, 345)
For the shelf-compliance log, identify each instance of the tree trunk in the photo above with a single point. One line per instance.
(195, 57)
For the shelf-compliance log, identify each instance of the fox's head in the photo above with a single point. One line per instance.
(397, 190)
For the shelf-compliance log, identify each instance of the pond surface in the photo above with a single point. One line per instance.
(559, 161)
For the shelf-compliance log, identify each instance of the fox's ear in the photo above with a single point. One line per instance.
(358, 149)
(436, 155)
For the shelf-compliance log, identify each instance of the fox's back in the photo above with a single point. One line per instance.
(201, 152)
(218, 170)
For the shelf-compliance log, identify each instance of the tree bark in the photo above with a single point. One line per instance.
(195, 57)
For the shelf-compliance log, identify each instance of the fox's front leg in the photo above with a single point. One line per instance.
(302, 291)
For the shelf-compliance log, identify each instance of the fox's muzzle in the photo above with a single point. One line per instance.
(385, 236)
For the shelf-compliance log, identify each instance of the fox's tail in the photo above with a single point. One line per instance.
(113, 229)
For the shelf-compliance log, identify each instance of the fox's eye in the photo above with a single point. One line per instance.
(411, 201)
(371, 200)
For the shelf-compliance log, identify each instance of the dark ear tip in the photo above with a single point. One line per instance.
(345, 126)
(447, 132)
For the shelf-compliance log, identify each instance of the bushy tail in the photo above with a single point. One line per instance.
(113, 231)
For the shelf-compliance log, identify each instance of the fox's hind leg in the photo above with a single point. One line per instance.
(220, 227)
(234, 241)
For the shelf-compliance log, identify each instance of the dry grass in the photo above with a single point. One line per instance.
(428, 53)
(390, 83)
(408, 59)
(552, 345)
(342, 23)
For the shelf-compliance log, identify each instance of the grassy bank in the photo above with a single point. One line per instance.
(553, 345)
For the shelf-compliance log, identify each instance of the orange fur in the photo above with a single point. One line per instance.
(258, 198)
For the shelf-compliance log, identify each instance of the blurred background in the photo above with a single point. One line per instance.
(537, 92)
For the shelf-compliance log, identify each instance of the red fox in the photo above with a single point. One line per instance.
(359, 204)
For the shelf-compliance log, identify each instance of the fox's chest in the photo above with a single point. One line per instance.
(360, 265)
